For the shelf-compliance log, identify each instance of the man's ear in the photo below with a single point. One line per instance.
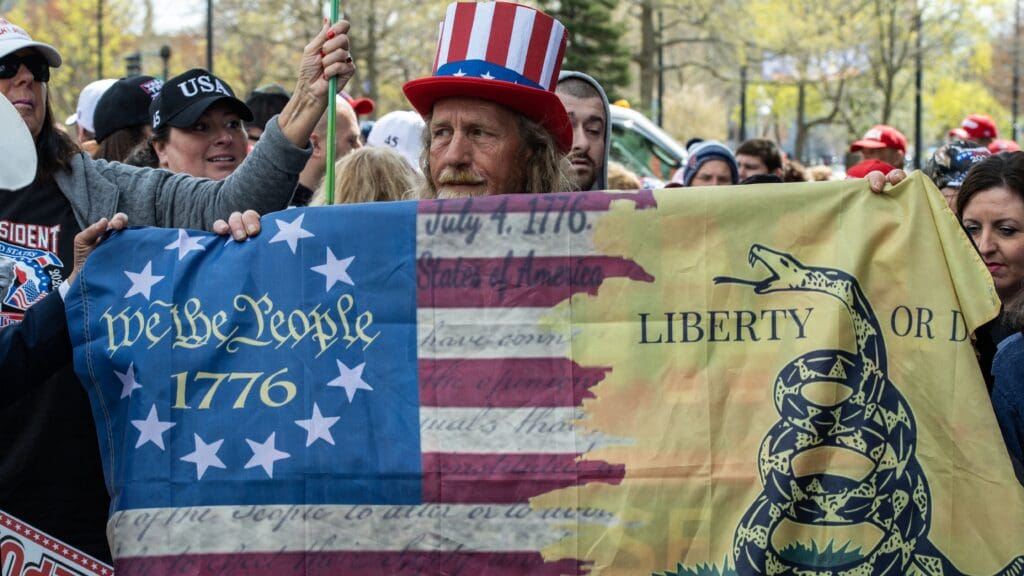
(319, 150)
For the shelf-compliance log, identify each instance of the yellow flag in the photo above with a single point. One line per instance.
(795, 391)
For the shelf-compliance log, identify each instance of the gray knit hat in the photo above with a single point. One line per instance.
(703, 151)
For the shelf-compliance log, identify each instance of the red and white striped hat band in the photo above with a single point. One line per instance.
(501, 41)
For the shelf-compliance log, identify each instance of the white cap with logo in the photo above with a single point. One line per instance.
(14, 38)
(87, 101)
(401, 130)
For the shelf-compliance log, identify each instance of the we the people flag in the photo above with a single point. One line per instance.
(752, 380)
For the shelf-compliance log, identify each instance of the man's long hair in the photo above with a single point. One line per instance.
(54, 148)
(544, 167)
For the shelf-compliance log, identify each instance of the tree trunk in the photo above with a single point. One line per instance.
(648, 53)
(147, 20)
(801, 119)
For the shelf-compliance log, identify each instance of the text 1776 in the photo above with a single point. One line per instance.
(274, 391)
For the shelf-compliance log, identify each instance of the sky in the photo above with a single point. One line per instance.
(173, 16)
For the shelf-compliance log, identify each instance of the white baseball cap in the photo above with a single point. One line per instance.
(14, 38)
(87, 102)
(402, 130)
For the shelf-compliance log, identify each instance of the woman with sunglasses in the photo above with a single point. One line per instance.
(50, 470)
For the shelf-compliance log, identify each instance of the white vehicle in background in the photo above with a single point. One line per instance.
(642, 146)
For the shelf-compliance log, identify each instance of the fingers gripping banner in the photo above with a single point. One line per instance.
(759, 380)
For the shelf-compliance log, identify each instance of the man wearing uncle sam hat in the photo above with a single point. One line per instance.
(494, 122)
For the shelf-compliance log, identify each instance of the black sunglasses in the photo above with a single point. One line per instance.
(36, 64)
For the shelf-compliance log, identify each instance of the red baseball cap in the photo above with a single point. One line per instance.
(864, 167)
(958, 133)
(997, 146)
(881, 136)
(362, 106)
(979, 126)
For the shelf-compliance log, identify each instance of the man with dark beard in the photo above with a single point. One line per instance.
(587, 105)
(494, 123)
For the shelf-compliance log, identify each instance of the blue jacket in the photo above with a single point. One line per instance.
(1008, 397)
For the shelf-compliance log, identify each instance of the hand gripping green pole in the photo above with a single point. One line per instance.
(332, 91)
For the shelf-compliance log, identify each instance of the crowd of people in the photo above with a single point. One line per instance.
(187, 152)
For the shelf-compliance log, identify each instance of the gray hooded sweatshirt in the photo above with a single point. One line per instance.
(601, 182)
(264, 182)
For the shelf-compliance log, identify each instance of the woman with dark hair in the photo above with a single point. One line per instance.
(991, 208)
(194, 132)
(990, 205)
(200, 133)
(50, 470)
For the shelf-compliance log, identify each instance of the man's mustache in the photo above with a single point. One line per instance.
(458, 177)
(581, 157)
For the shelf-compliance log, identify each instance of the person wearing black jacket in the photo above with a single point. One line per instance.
(39, 346)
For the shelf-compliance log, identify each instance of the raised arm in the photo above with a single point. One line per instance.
(264, 182)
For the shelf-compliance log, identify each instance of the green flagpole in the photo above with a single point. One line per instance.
(332, 105)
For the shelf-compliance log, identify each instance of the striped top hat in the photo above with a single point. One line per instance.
(503, 52)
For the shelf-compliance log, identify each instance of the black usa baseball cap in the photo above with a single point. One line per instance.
(186, 96)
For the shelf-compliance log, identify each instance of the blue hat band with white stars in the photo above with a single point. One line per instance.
(485, 71)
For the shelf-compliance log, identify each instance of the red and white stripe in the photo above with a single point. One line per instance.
(516, 37)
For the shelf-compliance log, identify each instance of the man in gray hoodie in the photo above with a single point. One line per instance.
(588, 109)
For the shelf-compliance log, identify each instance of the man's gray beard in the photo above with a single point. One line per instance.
(447, 193)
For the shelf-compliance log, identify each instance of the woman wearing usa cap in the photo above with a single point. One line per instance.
(197, 127)
(50, 473)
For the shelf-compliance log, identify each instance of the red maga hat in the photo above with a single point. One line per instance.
(881, 136)
(865, 167)
(979, 126)
(958, 133)
(506, 53)
(361, 106)
(997, 146)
